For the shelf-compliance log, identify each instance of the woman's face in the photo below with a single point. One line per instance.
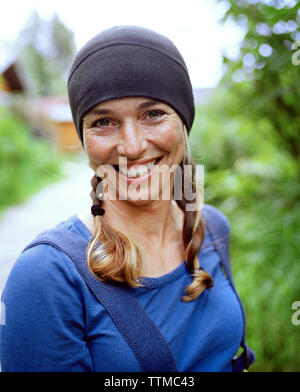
(135, 138)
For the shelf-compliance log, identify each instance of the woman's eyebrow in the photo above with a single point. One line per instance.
(143, 105)
(99, 111)
(146, 104)
(96, 112)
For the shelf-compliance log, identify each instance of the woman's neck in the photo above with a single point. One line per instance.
(153, 222)
(157, 227)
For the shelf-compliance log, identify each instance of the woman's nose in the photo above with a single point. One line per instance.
(132, 143)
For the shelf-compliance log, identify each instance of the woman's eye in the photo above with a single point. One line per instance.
(102, 122)
(154, 114)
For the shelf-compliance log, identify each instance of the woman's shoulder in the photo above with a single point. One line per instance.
(215, 219)
(43, 264)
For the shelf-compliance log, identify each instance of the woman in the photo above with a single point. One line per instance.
(132, 104)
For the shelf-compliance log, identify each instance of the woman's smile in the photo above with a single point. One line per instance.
(138, 172)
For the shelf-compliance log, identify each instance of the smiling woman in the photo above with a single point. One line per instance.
(136, 282)
(148, 143)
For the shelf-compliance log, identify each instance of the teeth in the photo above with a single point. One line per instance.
(138, 170)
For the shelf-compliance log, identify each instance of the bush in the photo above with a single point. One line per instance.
(255, 184)
(27, 164)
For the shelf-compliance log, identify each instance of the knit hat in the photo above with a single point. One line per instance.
(129, 61)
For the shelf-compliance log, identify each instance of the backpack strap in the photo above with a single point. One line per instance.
(218, 228)
(143, 337)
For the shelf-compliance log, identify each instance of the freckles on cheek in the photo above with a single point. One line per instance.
(95, 151)
(171, 139)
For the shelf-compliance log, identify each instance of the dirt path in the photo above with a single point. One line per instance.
(55, 203)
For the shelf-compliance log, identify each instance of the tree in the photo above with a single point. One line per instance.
(63, 45)
(46, 49)
(248, 138)
(265, 76)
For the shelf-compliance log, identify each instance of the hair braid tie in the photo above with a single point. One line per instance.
(208, 281)
(96, 208)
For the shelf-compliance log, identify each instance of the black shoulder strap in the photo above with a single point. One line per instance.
(145, 340)
(218, 228)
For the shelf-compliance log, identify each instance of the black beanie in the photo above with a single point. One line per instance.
(129, 61)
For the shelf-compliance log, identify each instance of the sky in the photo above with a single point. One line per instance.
(193, 26)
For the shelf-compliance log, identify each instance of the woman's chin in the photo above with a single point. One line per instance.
(141, 198)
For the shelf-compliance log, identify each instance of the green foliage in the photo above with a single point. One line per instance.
(27, 164)
(266, 64)
(248, 139)
(253, 183)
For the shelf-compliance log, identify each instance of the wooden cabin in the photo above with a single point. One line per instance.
(63, 129)
(49, 117)
(11, 80)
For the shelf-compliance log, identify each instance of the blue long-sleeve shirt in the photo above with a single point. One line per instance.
(51, 320)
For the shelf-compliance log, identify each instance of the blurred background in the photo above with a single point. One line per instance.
(244, 63)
